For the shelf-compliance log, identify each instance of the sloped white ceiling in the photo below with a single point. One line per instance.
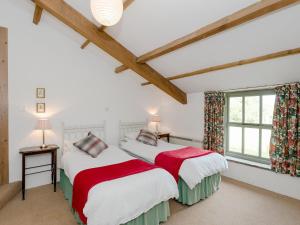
(148, 24)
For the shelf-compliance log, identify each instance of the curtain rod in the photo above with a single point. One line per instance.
(256, 88)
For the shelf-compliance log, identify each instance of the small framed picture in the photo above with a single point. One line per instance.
(41, 93)
(40, 107)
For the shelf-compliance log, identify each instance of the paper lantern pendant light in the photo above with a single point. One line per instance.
(107, 12)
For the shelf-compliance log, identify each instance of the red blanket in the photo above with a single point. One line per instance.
(172, 160)
(87, 179)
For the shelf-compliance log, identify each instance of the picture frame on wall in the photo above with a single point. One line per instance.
(40, 93)
(40, 107)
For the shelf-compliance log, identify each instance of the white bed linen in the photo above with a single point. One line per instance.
(192, 171)
(120, 200)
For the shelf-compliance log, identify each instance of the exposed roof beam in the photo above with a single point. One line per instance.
(37, 14)
(87, 42)
(120, 69)
(102, 28)
(234, 64)
(69, 16)
(240, 17)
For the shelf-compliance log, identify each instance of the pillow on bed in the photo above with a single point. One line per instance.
(91, 145)
(147, 137)
(132, 135)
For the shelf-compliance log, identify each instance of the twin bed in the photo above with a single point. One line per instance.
(199, 177)
(140, 198)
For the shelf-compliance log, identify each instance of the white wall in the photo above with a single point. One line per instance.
(188, 121)
(279, 183)
(184, 120)
(81, 86)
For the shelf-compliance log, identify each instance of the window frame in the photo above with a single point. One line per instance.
(243, 125)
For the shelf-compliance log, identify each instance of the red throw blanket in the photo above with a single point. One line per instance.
(87, 179)
(172, 160)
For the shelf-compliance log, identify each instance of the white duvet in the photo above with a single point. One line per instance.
(192, 171)
(121, 200)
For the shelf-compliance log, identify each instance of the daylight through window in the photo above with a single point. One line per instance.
(249, 124)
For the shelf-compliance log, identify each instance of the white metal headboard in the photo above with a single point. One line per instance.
(128, 127)
(74, 133)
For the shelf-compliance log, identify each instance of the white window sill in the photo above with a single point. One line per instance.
(248, 163)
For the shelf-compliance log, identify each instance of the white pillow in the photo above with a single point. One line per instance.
(132, 135)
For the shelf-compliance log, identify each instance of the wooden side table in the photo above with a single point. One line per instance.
(164, 135)
(37, 150)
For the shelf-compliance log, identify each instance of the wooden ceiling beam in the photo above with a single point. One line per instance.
(240, 17)
(234, 64)
(102, 28)
(72, 18)
(37, 15)
(120, 69)
(87, 42)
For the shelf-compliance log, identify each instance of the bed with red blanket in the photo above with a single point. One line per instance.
(196, 171)
(114, 188)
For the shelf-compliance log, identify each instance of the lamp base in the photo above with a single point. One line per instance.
(43, 146)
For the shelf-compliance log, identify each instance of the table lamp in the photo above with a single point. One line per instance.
(155, 119)
(43, 124)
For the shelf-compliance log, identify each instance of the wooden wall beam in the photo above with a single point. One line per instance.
(234, 64)
(102, 28)
(4, 169)
(240, 17)
(37, 14)
(69, 16)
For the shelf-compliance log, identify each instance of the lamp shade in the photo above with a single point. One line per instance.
(155, 118)
(43, 124)
(107, 12)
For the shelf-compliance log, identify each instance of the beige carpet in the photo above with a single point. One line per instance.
(234, 204)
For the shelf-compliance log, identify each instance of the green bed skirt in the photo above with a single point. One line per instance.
(154, 216)
(203, 190)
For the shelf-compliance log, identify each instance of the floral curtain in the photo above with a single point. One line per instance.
(285, 141)
(214, 121)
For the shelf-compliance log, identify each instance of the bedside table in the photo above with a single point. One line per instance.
(164, 135)
(37, 150)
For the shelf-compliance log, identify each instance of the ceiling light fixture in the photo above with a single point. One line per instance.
(107, 12)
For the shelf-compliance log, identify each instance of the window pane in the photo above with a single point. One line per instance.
(251, 141)
(235, 139)
(265, 143)
(268, 108)
(252, 109)
(235, 110)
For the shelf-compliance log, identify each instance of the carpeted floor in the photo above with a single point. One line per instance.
(233, 204)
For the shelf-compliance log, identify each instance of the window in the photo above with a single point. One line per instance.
(249, 124)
